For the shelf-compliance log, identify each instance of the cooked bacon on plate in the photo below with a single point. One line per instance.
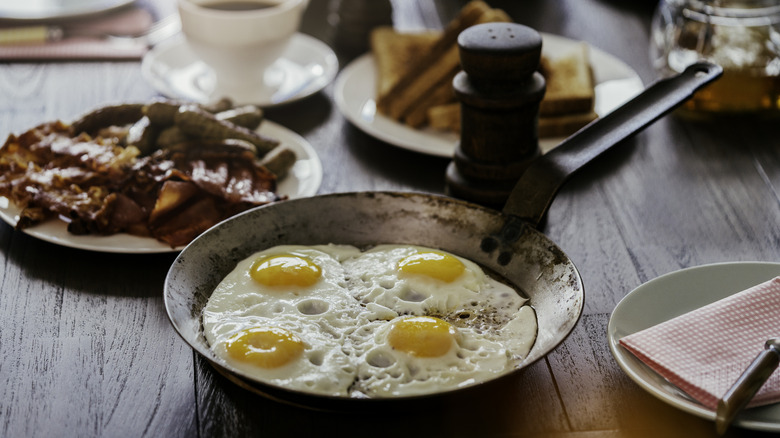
(99, 186)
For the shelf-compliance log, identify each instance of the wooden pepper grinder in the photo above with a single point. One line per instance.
(499, 91)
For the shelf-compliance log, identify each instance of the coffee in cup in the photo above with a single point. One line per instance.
(240, 39)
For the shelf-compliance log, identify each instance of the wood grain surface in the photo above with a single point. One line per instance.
(88, 351)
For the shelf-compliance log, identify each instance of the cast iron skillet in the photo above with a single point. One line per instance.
(507, 242)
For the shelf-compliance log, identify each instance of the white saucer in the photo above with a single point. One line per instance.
(355, 90)
(674, 294)
(34, 10)
(307, 67)
(302, 180)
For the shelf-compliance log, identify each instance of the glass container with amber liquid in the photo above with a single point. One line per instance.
(742, 36)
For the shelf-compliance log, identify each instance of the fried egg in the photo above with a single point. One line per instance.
(297, 291)
(391, 321)
(414, 280)
(422, 354)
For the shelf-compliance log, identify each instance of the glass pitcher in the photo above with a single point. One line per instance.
(743, 36)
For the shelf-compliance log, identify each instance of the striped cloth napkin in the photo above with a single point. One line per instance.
(703, 352)
(86, 42)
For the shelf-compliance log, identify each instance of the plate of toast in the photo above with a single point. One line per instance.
(583, 83)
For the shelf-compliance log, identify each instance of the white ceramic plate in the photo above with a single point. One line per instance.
(54, 10)
(303, 180)
(307, 67)
(671, 295)
(355, 90)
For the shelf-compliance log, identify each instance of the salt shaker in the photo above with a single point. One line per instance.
(499, 91)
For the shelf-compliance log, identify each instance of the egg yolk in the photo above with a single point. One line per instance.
(266, 347)
(438, 265)
(422, 336)
(285, 270)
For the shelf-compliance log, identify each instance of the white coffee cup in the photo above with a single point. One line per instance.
(240, 39)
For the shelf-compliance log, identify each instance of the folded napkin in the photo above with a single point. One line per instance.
(82, 40)
(703, 352)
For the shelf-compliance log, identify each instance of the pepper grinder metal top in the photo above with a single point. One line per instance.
(499, 91)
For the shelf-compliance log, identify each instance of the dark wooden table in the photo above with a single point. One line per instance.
(87, 349)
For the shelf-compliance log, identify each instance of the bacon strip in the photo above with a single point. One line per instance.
(103, 188)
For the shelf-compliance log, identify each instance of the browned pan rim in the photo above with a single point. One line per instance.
(373, 218)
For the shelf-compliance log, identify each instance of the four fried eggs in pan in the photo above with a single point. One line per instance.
(394, 320)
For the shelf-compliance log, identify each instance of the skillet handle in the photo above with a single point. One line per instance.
(536, 188)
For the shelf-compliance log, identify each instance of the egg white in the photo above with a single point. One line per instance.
(386, 372)
(343, 320)
(318, 314)
(374, 278)
(327, 300)
(322, 368)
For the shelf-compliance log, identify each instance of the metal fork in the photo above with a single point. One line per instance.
(751, 380)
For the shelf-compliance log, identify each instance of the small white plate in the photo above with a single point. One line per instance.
(55, 10)
(303, 180)
(355, 91)
(307, 67)
(674, 294)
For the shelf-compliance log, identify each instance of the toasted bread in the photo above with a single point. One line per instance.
(415, 72)
(566, 107)
(447, 118)
(436, 66)
(569, 83)
(394, 52)
(443, 94)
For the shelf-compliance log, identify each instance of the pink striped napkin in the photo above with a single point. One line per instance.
(703, 352)
(125, 22)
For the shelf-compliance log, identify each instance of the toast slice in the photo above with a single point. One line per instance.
(415, 72)
(436, 66)
(444, 117)
(443, 94)
(447, 118)
(394, 52)
(569, 83)
(568, 102)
